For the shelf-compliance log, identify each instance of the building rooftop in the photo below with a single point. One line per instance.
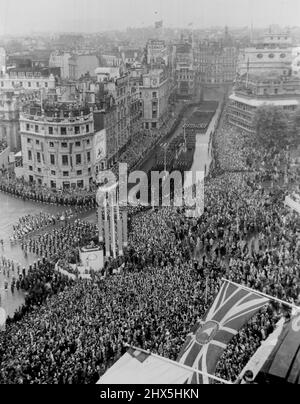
(265, 100)
(57, 111)
(268, 77)
(26, 72)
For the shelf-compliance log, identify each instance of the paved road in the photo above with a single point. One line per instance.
(11, 209)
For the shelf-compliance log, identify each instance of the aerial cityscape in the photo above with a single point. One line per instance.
(149, 193)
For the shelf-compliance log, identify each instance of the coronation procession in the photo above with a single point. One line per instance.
(150, 202)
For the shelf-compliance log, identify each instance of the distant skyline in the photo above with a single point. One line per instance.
(27, 16)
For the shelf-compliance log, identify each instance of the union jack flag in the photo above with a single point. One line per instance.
(232, 308)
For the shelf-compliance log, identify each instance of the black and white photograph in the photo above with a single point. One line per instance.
(149, 195)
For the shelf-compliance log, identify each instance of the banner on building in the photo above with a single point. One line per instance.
(100, 145)
(231, 310)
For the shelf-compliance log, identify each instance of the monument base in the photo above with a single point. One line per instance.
(92, 258)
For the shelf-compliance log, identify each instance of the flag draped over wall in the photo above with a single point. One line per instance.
(283, 364)
(231, 310)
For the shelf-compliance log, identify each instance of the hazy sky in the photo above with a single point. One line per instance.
(24, 16)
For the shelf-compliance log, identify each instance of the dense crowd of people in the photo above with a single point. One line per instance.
(20, 188)
(11, 270)
(171, 273)
(62, 242)
(31, 223)
(144, 141)
(139, 146)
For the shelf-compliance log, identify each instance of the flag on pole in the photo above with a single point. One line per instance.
(231, 310)
(283, 364)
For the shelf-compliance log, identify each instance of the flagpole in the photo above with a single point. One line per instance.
(113, 230)
(106, 230)
(293, 306)
(178, 364)
(119, 227)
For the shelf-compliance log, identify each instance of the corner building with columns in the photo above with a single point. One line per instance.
(57, 145)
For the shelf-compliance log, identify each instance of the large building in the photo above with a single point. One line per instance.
(157, 52)
(111, 59)
(217, 64)
(155, 93)
(272, 53)
(107, 73)
(58, 145)
(185, 73)
(62, 61)
(118, 103)
(296, 62)
(119, 89)
(27, 79)
(10, 103)
(79, 65)
(185, 80)
(73, 66)
(9, 120)
(253, 91)
(130, 56)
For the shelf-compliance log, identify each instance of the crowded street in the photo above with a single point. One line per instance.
(149, 195)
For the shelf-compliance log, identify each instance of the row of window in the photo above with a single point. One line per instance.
(153, 125)
(29, 84)
(279, 38)
(121, 91)
(271, 55)
(66, 184)
(64, 145)
(63, 129)
(65, 158)
(191, 77)
(65, 173)
(240, 124)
